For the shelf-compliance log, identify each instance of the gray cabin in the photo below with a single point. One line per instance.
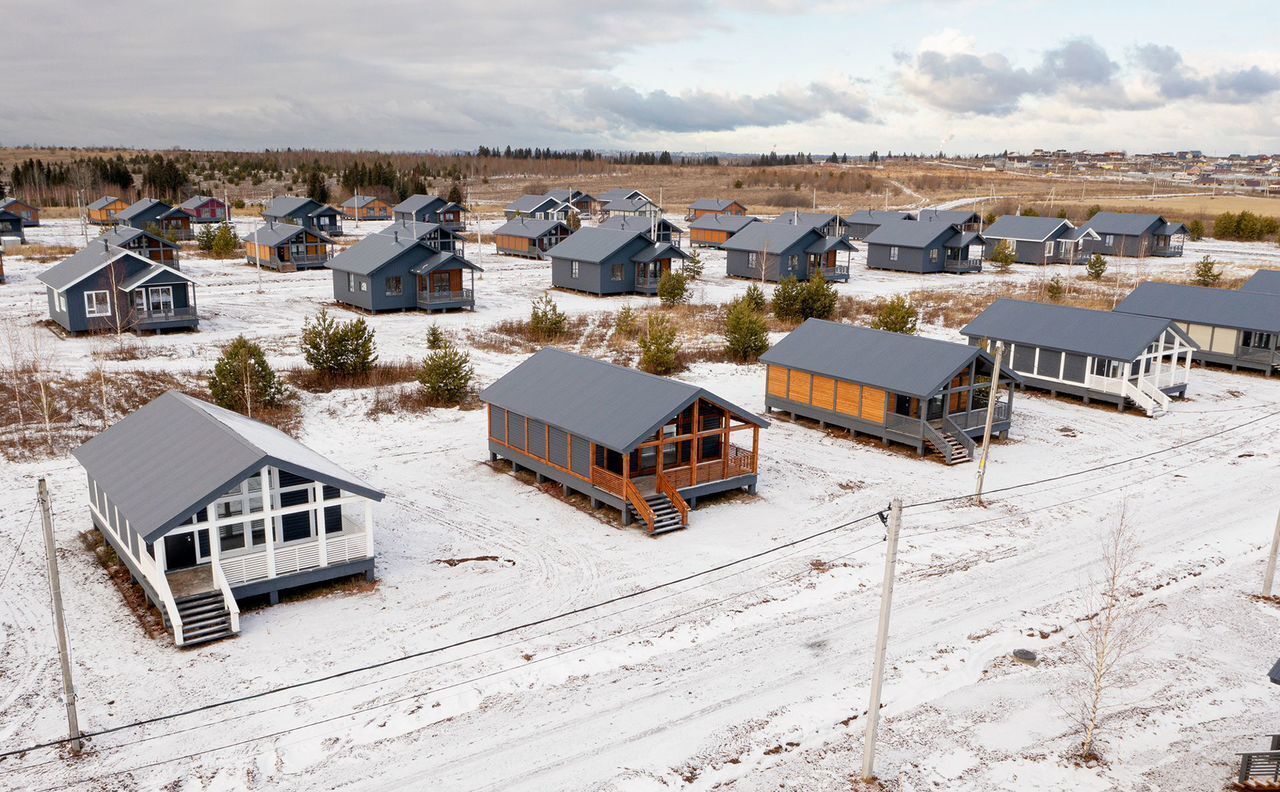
(713, 230)
(434, 234)
(388, 272)
(715, 206)
(827, 224)
(529, 237)
(304, 212)
(144, 243)
(1135, 235)
(539, 207)
(285, 247)
(205, 209)
(921, 392)
(148, 214)
(584, 203)
(861, 223)
(777, 251)
(924, 247)
(1039, 240)
(418, 209)
(631, 207)
(648, 446)
(11, 226)
(1102, 356)
(105, 288)
(659, 229)
(450, 216)
(1266, 281)
(968, 221)
(607, 261)
(1239, 329)
(172, 487)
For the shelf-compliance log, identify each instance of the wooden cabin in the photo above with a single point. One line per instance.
(966, 220)
(205, 209)
(104, 210)
(924, 247)
(388, 272)
(30, 214)
(433, 234)
(859, 224)
(366, 207)
(144, 243)
(608, 261)
(826, 224)
(777, 251)
(921, 392)
(1038, 240)
(285, 247)
(11, 226)
(206, 507)
(659, 229)
(1104, 356)
(1240, 329)
(304, 212)
(1136, 235)
(713, 230)
(158, 217)
(648, 446)
(539, 207)
(704, 207)
(418, 209)
(530, 238)
(105, 288)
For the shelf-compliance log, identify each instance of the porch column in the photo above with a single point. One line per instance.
(215, 543)
(317, 510)
(725, 447)
(269, 523)
(697, 441)
(368, 528)
(755, 449)
(158, 554)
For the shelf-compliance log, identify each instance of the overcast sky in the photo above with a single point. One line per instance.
(684, 75)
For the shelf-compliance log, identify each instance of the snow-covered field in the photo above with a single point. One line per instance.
(745, 678)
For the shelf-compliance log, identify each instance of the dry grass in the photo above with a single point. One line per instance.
(384, 373)
(149, 619)
(44, 254)
(517, 335)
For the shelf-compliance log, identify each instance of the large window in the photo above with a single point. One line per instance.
(615, 273)
(893, 253)
(1253, 340)
(752, 261)
(97, 303)
(395, 286)
(161, 299)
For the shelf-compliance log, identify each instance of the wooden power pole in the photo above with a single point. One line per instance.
(59, 624)
(992, 397)
(1270, 577)
(882, 639)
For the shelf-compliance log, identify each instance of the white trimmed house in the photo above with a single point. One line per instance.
(206, 507)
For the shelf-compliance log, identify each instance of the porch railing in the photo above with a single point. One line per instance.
(296, 557)
(606, 480)
(666, 488)
(962, 437)
(935, 439)
(1259, 768)
(962, 265)
(838, 271)
(160, 584)
(439, 297)
(737, 462)
(646, 284)
(638, 503)
(228, 599)
(975, 418)
(146, 316)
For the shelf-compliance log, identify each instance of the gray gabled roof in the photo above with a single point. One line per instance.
(1169, 229)
(195, 202)
(177, 454)
(438, 260)
(609, 405)
(452, 207)
(1027, 229)
(641, 224)
(376, 251)
(911, 233)
(810, 219)
(294, 205)
(1124, 224)
(714, 204)
(1115, 336)
(103, 202)
(528, 227)
(155, 269)
(876, 216)
(770, 237)
(723, 222)
(660, 250)
(123, 235)
(629, 205)
(1267, 280)
(953, 216)
(828, 244)
(274, 234)
(417, 230)
(149, 208)
(416, 203)
(594, 244)
(620, 194)
(85, 262)
(360, 201)
(1241, 310)
(534, 203)
(898, 363)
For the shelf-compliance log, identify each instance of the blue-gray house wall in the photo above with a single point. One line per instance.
(74, 318)
(597, 278)
(922, 260)
(777, 266)
(370, 291)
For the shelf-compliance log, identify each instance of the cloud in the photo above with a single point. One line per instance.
(706, 111)
(1176, 80)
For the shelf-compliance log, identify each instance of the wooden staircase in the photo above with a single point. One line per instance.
(1260, 770)
(205, 618)
(666, 517)
(951, 449)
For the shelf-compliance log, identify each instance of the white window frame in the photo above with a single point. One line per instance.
(573, 270)
(89, 306)
(351, 281)
(1109, 240)
(933, 254)
(893, 253)
(1048, 248)
(61, 301)
(155, 291)
(753, 260)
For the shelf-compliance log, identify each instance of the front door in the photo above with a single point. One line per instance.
(180, 551)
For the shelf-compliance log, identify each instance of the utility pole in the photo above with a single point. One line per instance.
(992, 397)
(882, 638)
(1270, 577)
(59, 625)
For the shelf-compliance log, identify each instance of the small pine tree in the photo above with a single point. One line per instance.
(1055, 288)
(788, 300)
(988, 218)
(573, 221)
(659, 350)
(546, 321)
(754, 297)
(1195, 230)
(692, 269)
(627, 324)
(446, 375)
(338, 349)
(896, 315)
(205, 238)
(224, 243)
(746, 333)
(455, 193)
(819, 299)
(1002, 257)
(1030, 211)
(243, 381)
(1093, 210)
(1206, 273)
(1096, 267)
(436, 339)
(673, 289)
(1062, 214)
(317, 187)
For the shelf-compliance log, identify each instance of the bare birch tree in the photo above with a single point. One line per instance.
(16, 366)
(1115, 630)
(46, 404)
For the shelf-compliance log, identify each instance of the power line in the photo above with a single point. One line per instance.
(17, 548)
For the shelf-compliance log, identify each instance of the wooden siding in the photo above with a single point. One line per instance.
(828, 394)
(848, 398)
(824, 392)
(778, 381)
(873, 401)
(798, 390)
(708, 236)
(508, 242)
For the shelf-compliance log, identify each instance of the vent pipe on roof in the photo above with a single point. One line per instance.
(395, 236)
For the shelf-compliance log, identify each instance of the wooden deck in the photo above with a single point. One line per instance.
(191, 582)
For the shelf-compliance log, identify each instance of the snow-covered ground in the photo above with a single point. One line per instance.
(745, 678)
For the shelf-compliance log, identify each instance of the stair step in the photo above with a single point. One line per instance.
(207, 632)
(206, 618)
(210, 607)
(195, 599)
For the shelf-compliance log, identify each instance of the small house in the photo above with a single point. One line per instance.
(11, 226)
(539, 207)
(529, 237)
(108, 288)
(924, 247)
(148, 214)
(922, 392)
(205, 209)
(1102, 356)
(286, 247)
(30, 214)
(584, 203)
(144, 243)
(450, 216)
(366, 207)
(1239, 329)
(713, 230)
(631, 207)
(303, 212)
(827, 224)
(777, 251)
(388, 272)
(657, 227)
(648, 446)
(104, 210)
(859, 224)
(622, 194)
(607, 261)
(968, 221)
(433, 234)
(1039, 240)
(714, 206)
(417, 209)
(1266, 281)
(1135, 235)
(207, 507)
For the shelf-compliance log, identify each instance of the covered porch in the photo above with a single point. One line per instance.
(440, 284)
(965, 254)
(161, 298)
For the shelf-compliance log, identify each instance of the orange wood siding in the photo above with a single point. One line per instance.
(708, 236)
(508, 242)
(778, 382)
(799, 390)
(873, 405)
(848, 398)
(824, 392)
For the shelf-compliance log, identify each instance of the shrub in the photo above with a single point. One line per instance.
(788, 300)
(436, 339)
(204, 238)
(243, 381)
(659, 352)
(1062, 214)
(1030, 211)
(755, 298)
(673, 289)
(546, 321)
(237, 203)
(1002, 257)
(338, 349)
(1095, 267)
(737, 184)
(819, 299)
(896, 315)
(626, 325)
(989, 218)
(1092, 210)
(1206, 273)
(224, 243)
(746, 333)
(1055, 288)
(446, 376)
(1195, 230)
(573, 221)
(692, 269)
